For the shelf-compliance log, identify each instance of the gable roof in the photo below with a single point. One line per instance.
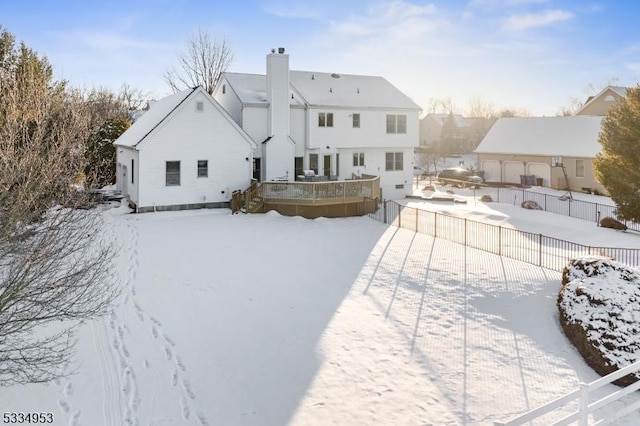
(571, 136)
(163, 109)
(324, 89)
(620, 90)
(151, 119)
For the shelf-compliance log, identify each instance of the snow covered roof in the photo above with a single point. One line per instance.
(149, 120)
(572, 136)
(325, 89)
(347, 90)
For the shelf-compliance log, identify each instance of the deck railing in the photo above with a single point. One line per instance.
(319, 193)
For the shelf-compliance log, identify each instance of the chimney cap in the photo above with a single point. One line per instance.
(281, 50)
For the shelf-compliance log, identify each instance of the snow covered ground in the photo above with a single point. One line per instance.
(272, 320)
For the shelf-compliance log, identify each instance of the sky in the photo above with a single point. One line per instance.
(536, 55)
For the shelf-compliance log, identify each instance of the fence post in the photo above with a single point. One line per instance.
(417, 213)
(435, 224)
(583, 419)
(569, 207)
(545, 202)
(540, 245)
(400, 216)
(384, 211)
(499, 240)
(465, 231)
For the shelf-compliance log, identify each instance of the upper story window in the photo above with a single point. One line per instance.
(393, 161)
(358, 159)
(356, 121)
(396, 123)
(203, 168)
(325, 119)
(580, 168)
(173, 173)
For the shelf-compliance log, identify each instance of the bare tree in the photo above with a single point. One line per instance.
(55, 259)
(201, 65)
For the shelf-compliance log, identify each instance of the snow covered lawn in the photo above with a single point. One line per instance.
(271, 320)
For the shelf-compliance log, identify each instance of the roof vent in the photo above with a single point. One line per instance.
(335, 75)
(281, 50)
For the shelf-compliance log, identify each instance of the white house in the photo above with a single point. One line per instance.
(338, 125)
(185, 152)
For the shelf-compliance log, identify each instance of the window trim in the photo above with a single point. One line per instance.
(397, 161)
(396, 124)
(325, 119)
(169, 174)
(358, 159)
(199, 169)
(355, 120)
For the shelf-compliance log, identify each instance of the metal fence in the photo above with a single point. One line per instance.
(566, 206)
(538, 249)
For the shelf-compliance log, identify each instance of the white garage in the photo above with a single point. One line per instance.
(541, 170)
(512, 171)
(491, 169)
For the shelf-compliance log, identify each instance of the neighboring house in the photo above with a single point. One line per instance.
(540, 146)
(184, 152)
(456, 134)
(340, 126)
(603, 101)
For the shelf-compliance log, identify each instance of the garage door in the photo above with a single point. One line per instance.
(512, 171)
(541, 170)
(491, 170)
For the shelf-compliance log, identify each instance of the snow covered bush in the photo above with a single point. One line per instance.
(600, 313)
(530, 204)
(609, 222)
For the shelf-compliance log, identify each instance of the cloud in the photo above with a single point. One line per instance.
(519, 22)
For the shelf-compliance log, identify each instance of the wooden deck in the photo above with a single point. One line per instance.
(315, 199)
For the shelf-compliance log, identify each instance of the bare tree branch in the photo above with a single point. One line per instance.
(201, 65)
(55, 261)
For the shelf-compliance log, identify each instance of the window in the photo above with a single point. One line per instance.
(556, 161)
(393, 161)
(358, 159)
(132, 169)
(173, 173)
(356, 121)
(203, 168)
(325, 119)
(396, 123)
(313, 163)
(580, 168)
(199, 106)
(400, 186)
